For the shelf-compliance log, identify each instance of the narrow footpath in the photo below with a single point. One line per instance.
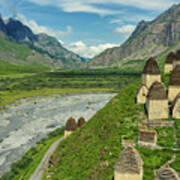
(38, 173)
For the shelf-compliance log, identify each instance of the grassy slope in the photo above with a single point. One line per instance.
(7, 68)
(18, 54)
(16, 50)
(92, 151)
(13, 58)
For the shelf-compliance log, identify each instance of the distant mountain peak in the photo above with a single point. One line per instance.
(2, 24)
(148, 39)
(42, 42)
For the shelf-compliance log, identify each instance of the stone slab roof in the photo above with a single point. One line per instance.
(129, 162)
(175, 76)
(167, 174)
(151, 67)
(71, 124)
(170, 58)
(147, 135)
(81, 121)
(157, 91)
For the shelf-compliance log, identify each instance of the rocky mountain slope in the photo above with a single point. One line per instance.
(148, 39)
(41, 43)
(18, 54)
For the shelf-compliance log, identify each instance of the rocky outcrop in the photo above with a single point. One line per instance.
(2, 25)
(19, 32)
(53, 47)
(148, 39)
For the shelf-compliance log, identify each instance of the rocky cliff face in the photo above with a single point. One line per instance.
(19, 32)
(2, 25)
(148, 39)
(52, 46)
(41, 43)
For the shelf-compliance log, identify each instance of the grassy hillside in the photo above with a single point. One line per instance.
(7, 68)
(15, 53)
(92, 151)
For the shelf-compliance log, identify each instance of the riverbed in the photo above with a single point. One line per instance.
(29, 120)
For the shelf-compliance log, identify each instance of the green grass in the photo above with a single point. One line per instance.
(177, 123)
(7, 68)
(153, 160)
(92, 151)
(17, 50)
(175, 164)
(165, 136)
(17, 86)
(25, 167)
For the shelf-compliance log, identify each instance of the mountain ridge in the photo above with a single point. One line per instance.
(148, 39)
(42, 43)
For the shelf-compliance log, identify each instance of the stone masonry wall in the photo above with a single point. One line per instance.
(157, 109)
(173, 91)
(149, 79)
(168, 68)
(118, 176)
(142, 94)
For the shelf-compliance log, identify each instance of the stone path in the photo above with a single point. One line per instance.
(38, 173)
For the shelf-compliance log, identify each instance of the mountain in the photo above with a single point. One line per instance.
(15, 53)
(148, 39)
(2, 25)
(41, 43)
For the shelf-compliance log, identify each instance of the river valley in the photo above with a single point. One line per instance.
(29, 120)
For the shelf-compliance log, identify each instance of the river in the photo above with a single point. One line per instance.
(29, 120)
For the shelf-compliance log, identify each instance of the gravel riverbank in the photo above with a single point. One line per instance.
(27, 121)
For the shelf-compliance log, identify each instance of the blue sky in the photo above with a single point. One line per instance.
(86, 27)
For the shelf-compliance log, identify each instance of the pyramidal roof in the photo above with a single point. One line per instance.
(151, 67)
(167, 174)
(175, 76)
(71, 124)
(129, 161)
(170, 58)
(157, 91)
(81, 121)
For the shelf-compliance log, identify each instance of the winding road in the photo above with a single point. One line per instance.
(38, 173)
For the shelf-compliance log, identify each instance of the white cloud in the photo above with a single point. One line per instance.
(116, 21)
(130, 18)
(85, 50)
(90, 5)
(125, 30)
(75, 6)
(43, 29)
